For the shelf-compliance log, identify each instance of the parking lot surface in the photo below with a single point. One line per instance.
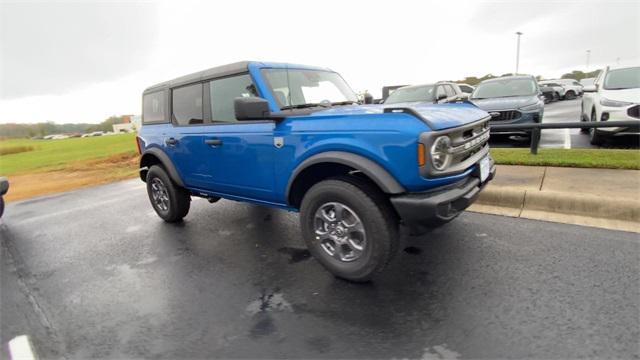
(95, 273)
(564, 111)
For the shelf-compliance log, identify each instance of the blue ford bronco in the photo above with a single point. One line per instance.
(295, 137)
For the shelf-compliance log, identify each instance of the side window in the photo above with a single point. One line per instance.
(224, 91)
(153, 108)
(187, 105)
(449, 90)
(440, 92)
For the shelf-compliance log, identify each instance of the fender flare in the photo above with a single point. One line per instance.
(166, 163)
(375, 172)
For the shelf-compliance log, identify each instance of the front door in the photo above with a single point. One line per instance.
(240, 154)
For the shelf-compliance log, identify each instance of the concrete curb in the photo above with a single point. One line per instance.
(573, 208)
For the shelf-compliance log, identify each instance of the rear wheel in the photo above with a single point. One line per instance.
(170, 201)
(570, 95)
(349, 227)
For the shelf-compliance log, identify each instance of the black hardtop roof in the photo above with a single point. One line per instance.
(218, 71)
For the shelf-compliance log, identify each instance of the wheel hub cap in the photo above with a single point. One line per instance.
(339, 231)
(159, 194)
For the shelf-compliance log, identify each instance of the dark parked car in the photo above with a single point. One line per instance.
(510, 100)
(548, 93)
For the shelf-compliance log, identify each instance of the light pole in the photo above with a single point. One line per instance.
(518, 52)
(588, 56)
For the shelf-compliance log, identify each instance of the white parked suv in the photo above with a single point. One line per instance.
(615, 96)
(572, 88)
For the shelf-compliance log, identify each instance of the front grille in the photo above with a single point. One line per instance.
(468, 144)
(505, 115)
(634, 111)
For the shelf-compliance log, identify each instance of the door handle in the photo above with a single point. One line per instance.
(213, 142)
(171, 141)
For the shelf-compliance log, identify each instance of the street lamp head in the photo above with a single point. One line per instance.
(518, 33)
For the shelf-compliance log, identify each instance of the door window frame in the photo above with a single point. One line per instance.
(206, 103)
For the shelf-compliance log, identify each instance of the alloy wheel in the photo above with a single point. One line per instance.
(340, 232)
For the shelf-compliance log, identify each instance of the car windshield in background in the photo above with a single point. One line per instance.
(411, 94)
(300, 88)
(622, 79)
(505, 88)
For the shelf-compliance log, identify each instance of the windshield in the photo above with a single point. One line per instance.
(622, 79)
(410, 94)
(294, 87)
(505, 88)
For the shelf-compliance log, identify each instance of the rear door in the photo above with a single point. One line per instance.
(185, 145)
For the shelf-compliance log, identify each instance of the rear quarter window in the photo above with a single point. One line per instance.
(153, 108)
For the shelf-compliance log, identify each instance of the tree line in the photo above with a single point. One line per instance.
(575, 75)
(13, 130)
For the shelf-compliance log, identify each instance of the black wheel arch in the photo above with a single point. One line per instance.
(332, 163)
(155, 156)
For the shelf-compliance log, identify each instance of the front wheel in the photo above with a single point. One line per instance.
(1, 206)
(349, 227)
(170, 201)
(595, 137)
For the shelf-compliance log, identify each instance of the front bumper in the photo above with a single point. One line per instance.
(442, 204)
(614, 114)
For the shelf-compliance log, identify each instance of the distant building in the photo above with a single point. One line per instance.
(123, 128)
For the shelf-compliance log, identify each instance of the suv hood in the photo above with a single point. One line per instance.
(437, 116)
(505, 103)
(628, 95)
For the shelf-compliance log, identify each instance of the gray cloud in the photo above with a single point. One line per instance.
(57, 47)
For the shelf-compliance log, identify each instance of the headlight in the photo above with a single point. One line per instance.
(614, 103)
(535, 106)
(440, 156)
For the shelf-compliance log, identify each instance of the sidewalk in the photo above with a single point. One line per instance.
(603, 198)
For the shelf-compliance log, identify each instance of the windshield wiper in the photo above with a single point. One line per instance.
(304, 106)
(348, 102)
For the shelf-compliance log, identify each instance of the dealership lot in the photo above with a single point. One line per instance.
(95, 273)
(564, 111)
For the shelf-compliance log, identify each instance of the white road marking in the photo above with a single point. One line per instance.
(567, 139)
(20, 348)
(73, 210)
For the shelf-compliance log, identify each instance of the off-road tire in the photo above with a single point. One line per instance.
(377, 216)
(178, 198)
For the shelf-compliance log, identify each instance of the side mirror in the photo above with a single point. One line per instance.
(368, 98)
(441, 97)
(590, 88)
(463, 96)
(251, 108)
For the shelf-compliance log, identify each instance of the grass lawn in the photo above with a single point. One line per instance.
(582, 158)
(47, 155)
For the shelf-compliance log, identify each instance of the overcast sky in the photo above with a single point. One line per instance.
(78, 61)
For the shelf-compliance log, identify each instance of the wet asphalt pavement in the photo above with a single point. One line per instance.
(95, 273)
